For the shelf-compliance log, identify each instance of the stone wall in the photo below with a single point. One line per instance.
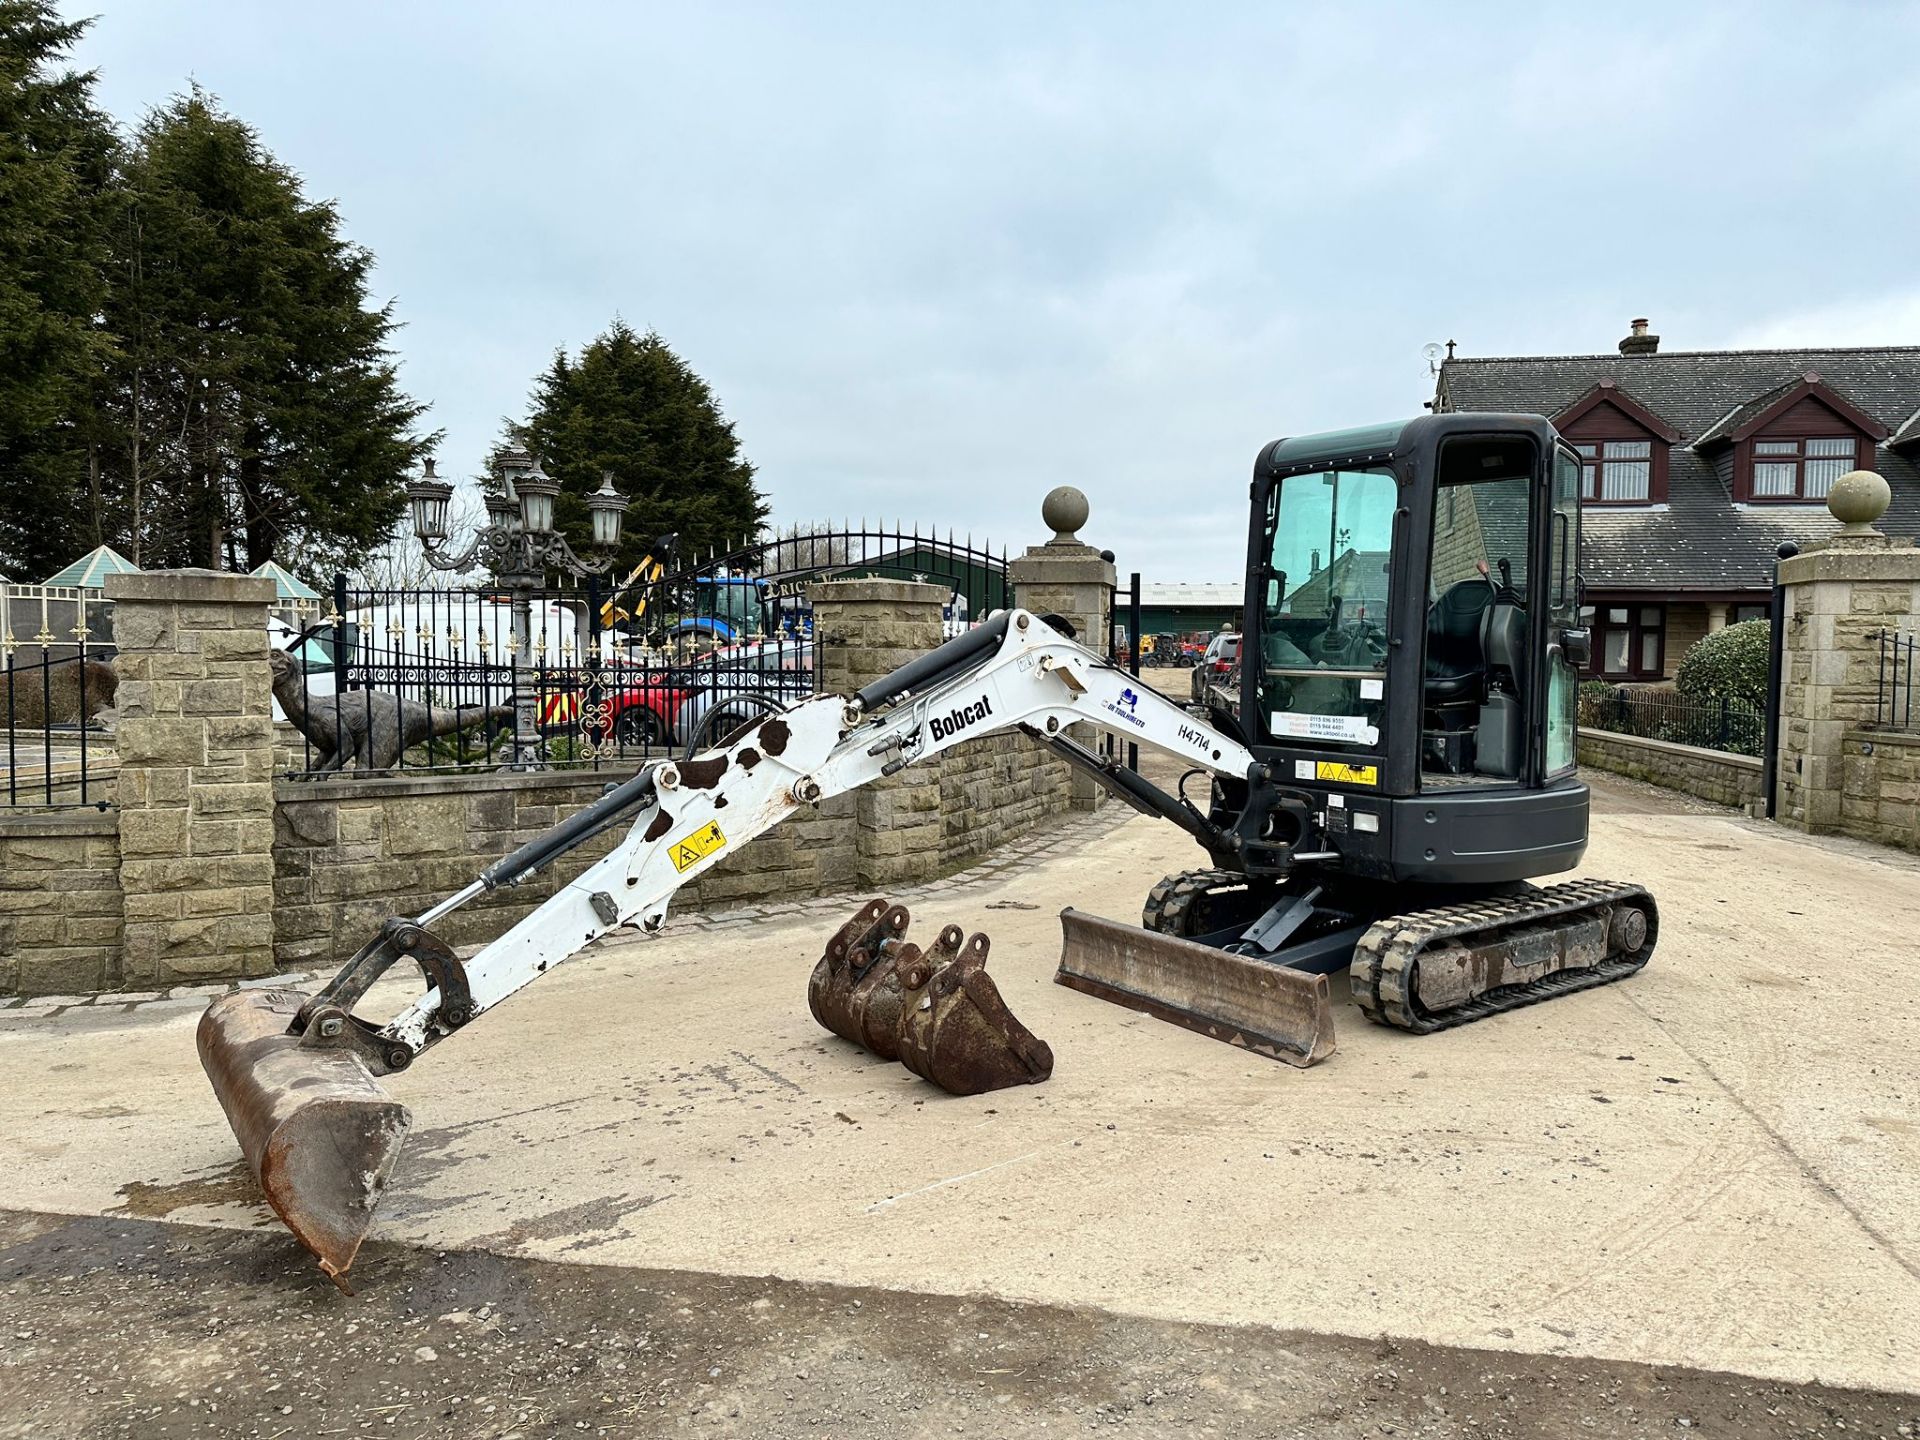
(60, 908)
(1732, 780)
(994, 790)
(1880, 787)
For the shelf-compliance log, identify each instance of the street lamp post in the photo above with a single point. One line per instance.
(519, 545)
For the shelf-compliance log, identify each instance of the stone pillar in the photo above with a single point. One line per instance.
(1839, 596)
(1717, 617)
(863, 629)
(1071, 579)
(195, 737)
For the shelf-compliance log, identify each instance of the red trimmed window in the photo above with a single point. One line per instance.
(1802, 468)
(1629, 641)
(1616, 471)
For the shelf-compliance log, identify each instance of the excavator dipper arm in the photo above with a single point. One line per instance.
(295, 1073)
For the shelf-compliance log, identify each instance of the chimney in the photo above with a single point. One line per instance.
(1640, 342)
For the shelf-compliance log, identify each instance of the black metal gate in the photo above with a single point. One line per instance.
(613, 671)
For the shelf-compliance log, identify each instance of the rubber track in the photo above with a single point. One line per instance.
(1383, 961)
(1168, 903)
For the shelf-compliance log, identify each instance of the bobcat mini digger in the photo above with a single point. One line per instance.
(1395, 761)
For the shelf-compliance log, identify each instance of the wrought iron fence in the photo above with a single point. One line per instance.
(1728, 725)
(54, 741)
(605, 674)
(1893, 685)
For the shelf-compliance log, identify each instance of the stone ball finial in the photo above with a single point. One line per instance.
(1066, 510)
(1857, 499)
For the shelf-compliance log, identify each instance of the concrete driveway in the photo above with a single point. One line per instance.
(1714, 1164)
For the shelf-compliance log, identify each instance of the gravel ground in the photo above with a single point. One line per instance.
(130, 1328)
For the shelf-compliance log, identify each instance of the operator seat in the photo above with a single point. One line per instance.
(1456, 658)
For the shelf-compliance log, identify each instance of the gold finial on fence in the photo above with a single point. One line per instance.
(513, 645)
(423, 635)
(45, 638)
(540, 648)
(9, 645)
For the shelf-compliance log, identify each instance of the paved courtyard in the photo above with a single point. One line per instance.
(1710, 1168)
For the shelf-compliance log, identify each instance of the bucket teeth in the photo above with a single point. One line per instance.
(936, 1011)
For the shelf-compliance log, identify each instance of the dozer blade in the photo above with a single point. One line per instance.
(1283, 1014)
(318, 1131)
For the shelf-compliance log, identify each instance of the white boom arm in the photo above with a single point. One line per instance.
(697, 811)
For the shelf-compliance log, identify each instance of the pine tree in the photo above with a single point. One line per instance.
(259, 408)
(56, 159)
(630, 407)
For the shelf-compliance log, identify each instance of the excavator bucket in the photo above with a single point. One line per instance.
(1283, 1014)
(956, 1030)
(317, 1130)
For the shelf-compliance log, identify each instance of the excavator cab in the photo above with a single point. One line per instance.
(1412, 651)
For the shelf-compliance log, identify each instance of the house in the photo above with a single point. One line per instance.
(1698, 465)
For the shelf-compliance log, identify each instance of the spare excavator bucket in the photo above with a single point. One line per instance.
(318, 1131)
(1283, 1014)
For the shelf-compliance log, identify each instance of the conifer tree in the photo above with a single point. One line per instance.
(630, 407)
(260, 411)
(56, 160)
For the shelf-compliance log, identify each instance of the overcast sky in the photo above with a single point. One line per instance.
(936, 260)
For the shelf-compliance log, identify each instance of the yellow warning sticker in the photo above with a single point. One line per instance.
(697, 846)
(1347, 774)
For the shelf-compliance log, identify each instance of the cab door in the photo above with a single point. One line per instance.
(1566, 642)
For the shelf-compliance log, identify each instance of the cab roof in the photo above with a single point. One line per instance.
(1373, 443)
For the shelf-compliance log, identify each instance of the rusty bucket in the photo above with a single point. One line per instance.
(851, 956)
(318, 1131)
(957, 1031)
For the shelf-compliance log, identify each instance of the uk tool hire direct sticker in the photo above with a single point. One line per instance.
(1347, 774)
(697, 846)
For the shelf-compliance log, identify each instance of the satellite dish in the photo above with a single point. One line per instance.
(1433, 353)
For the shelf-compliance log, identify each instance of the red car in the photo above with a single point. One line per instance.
(635, 707)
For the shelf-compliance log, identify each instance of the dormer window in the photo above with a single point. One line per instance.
(1623, 447)
(1800, 469)
(1788, 445)
(1620, 470)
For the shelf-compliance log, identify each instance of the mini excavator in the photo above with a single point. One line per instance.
(1393, 766)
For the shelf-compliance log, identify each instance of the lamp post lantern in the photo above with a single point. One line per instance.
(519, 545)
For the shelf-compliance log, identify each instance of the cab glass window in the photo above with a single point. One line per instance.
(1323, 641)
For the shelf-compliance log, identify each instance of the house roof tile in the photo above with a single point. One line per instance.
(1701, 539)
